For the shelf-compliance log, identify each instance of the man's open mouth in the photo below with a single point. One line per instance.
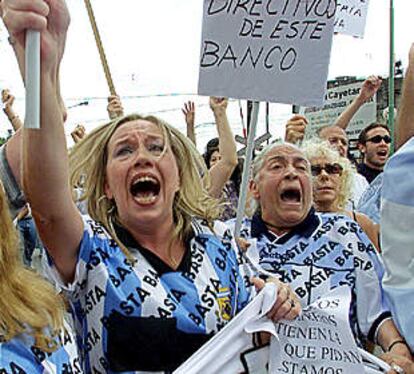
(291, 195)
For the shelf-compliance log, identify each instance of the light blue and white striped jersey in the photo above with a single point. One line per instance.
(370, 201)
(139, 315)
(321, 253)
(19, 356)
(397, 237)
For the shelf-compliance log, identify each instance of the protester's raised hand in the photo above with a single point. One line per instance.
(189, 113)
(115, 108)
(295, 129)
(8, 99)
(51, 18)
(287, 305)
(370, 87)
(218, 104)
(4, 93)
(78, 133)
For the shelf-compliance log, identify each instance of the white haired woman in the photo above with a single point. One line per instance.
(150, 273)
(332, 184)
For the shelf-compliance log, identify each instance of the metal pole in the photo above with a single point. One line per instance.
(246, 168)
(391, 103)
(100, 48)
(267, 122)
(32, 80)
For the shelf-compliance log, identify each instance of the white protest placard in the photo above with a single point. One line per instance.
(336, 101)
(351, 16)
(320, 340)
(274, 50)
(232, 350)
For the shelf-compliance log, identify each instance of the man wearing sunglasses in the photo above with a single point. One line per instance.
(374, 143)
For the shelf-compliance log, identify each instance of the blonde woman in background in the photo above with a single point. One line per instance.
(33, 338)
(332, 184)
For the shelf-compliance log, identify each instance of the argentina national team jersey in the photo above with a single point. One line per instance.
(20, 356)
(137, 314)
(323, 252)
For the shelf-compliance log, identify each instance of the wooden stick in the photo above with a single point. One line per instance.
(100, 48)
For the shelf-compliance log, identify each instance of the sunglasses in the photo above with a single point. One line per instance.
(331, 169)
(378, 139)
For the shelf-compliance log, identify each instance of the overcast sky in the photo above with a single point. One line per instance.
(153, 48)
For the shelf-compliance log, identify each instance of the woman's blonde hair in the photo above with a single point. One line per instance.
(28, 304)
(87, 163)
(315, 148)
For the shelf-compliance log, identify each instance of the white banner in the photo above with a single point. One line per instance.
(351, 17)
(274, 50)
(320, 340)
(232, 350)
(336, 100)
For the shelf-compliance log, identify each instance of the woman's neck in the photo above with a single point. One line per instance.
(327, 207)
(159, 239)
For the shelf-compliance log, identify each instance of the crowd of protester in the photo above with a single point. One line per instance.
(134, 229)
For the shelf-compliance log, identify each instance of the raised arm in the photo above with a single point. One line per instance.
(8, 100)
(405, 118)
(221, 172)
(45, 165)
(369, 88)
(189, 115)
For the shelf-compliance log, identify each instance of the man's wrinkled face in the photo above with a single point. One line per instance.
(337, 138)
(376, 149)
(283, 187)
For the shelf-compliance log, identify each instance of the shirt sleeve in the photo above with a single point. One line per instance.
(370, 201)
(397, 238)
(14, 194)
(96, 246)
(372, 307)
(17, 358)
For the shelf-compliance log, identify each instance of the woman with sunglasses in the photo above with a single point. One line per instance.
(332, 183)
